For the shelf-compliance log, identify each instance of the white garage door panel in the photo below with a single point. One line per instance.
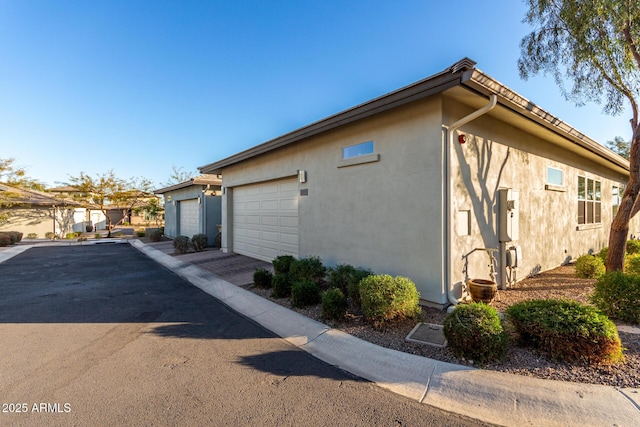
(189, 217)
(265, 219)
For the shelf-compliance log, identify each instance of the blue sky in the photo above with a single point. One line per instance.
(139, 86)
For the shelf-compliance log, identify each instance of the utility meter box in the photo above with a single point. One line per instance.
(509, 223)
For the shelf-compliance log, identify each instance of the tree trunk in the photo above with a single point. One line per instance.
(620, 224)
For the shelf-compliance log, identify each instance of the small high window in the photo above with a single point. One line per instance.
(357, 150)
(554, 176)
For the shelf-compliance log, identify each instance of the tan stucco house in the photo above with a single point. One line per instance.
(427, 182)
(36, 213)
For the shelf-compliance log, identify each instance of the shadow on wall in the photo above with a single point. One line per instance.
(477, 160)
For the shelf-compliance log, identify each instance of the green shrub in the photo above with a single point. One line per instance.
(262, 278)
(567, 330)
(603, 254)
(353, 286)
(633, 247)
(281, 284)
(181, 244)
(339, 276)
(140, 233)
(70, 235)
(15, 236)
(305, 292)
(32, 236)
(5, 239)
(474, 331)
(589, 267)
(96, 236)
(334, 304)
(383, 297)
(309, 268)
(617, 294)
(49, 235)
(632, 264)
(199, 242)
(282, 263)
(155, 234)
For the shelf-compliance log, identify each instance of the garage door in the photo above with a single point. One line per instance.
(189, 220)
(265, 219)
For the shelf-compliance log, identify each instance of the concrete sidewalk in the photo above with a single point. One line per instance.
(494, 397)
(491, 396)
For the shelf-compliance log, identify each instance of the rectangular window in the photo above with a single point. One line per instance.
(616, 198)
(554, 176)
(357, 150)
(589, 201)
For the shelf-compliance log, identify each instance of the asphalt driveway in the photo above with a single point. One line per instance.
(102, 335)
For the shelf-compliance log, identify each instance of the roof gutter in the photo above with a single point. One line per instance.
(493, 100)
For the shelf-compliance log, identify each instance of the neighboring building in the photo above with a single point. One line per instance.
(35, 212)
(402, 185)
(193, 207)
(119, 215)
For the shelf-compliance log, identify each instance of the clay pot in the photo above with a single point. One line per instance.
(482, 290)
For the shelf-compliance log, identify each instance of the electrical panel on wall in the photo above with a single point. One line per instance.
(509, 223)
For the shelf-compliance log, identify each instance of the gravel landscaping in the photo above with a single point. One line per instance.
(558, 283)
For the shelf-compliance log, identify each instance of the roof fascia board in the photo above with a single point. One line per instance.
(419, 90)
(193, 181)
(508, 98)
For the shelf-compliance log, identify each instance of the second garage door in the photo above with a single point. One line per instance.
(189, 217)
(265, 219)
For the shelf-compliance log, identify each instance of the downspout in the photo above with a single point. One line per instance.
(449, 196)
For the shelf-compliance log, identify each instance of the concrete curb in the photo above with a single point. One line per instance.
(12, 251)
(490, 396)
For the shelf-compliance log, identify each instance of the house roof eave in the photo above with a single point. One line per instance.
(198, 180)
(510, 99)
(450, 77)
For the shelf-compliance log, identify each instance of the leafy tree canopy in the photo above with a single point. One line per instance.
(593, 46)
(620, 146)
(15, 176)
(177, 176)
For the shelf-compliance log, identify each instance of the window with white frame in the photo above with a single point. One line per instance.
(589, 201)
(616, 198)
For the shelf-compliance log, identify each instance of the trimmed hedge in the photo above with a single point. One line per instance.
(589, 267)
(282, 263)
(309, 268)
(262, 278)
(181, 244)
(567, 330)
(199, 242)
(353, 286)
(281, 284)
(617, 294)
(305, 292)
(383, 297)
(474, 331)
(334, 304)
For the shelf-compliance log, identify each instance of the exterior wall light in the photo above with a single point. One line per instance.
(302, 176)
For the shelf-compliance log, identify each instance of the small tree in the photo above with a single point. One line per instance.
(102, 191)
(594, 44)
(151, 210)
(177, 176)
(16, 177)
